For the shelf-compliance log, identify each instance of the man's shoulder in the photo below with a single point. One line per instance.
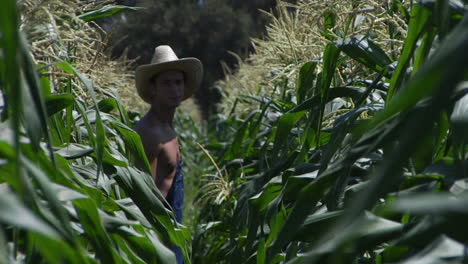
(147, 131)
(153, 134)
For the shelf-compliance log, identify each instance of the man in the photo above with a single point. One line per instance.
(164, 84)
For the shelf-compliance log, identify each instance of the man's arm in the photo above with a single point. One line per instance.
(163, 175)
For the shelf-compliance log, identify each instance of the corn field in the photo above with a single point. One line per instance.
(351, 153)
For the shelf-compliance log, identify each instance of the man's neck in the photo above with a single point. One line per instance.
(163, 114)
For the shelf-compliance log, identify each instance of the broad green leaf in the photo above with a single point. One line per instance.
(235, 147)
(365, 232)
(269, 192)
(107, 105)
(10, 69)
(6, 151)
(55, 251)
(329, 25)
(313, 103)
(308, 197)
(100, 142)
(109, 158)
(422, 232)
(133, 143)
(276, 224)
(422, 51)
(341, 127)
(58, 102)
(100, 133)
(65, 194)
(330, 60)
(165, 255)
(50, 195)
(35, 94)
(432, 203)
(31, 119)
(281, 166)
(94, 231)
(112, 223)
(74, 151)
(14, 213)
(433, 78)
(106, 11)
(420, 17)
(459, 119)
(442, 251)
(316, 224)
(4, 255)
(295, 183)
(305, 80)
(131, 255)
(141, 188)
(83, 120)
(149, 251)
(261, 252)
(364, 51)
(285, 124)
(414, 180)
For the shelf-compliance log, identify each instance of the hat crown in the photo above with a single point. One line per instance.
(163, 54)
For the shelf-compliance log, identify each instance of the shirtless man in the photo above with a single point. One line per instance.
(164, 84)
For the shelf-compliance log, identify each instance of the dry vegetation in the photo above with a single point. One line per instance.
(293, 38)
(56, 33)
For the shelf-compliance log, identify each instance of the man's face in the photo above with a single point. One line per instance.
(168, 88)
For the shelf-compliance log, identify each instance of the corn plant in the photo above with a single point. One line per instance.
(70, 192)
(372, 171)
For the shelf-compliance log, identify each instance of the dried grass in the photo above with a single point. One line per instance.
(293, 38)
(55, 34)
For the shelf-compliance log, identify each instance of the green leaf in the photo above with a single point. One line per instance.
(107, 105)
(4, 250)
(143, 191)
(442, 251)
(459, 119)
(433, 77)
(330, 59)
(285, 124)
(58, 102)
(235, 147)
(100, 142)
(74, 151)
(308, 197)
(49, 193)
(316, 224)
(14, 213)
(48, 250)
(35, 113)
(295, 183)
(313, 103)
(364, 233)
(6, 150)
(420, 18)
(329, 25)
(94, 231)
(100, 132)
(10, 69)
(106, 11)
(305, 81)
(261, 252)
(365, 51)
(431, 203)
(133, 143)
(269, 192)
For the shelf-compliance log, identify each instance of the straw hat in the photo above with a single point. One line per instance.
(164, 59)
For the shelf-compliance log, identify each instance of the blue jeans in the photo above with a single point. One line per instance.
(176, 200)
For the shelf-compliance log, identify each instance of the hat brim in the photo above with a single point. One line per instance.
(192, 67)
